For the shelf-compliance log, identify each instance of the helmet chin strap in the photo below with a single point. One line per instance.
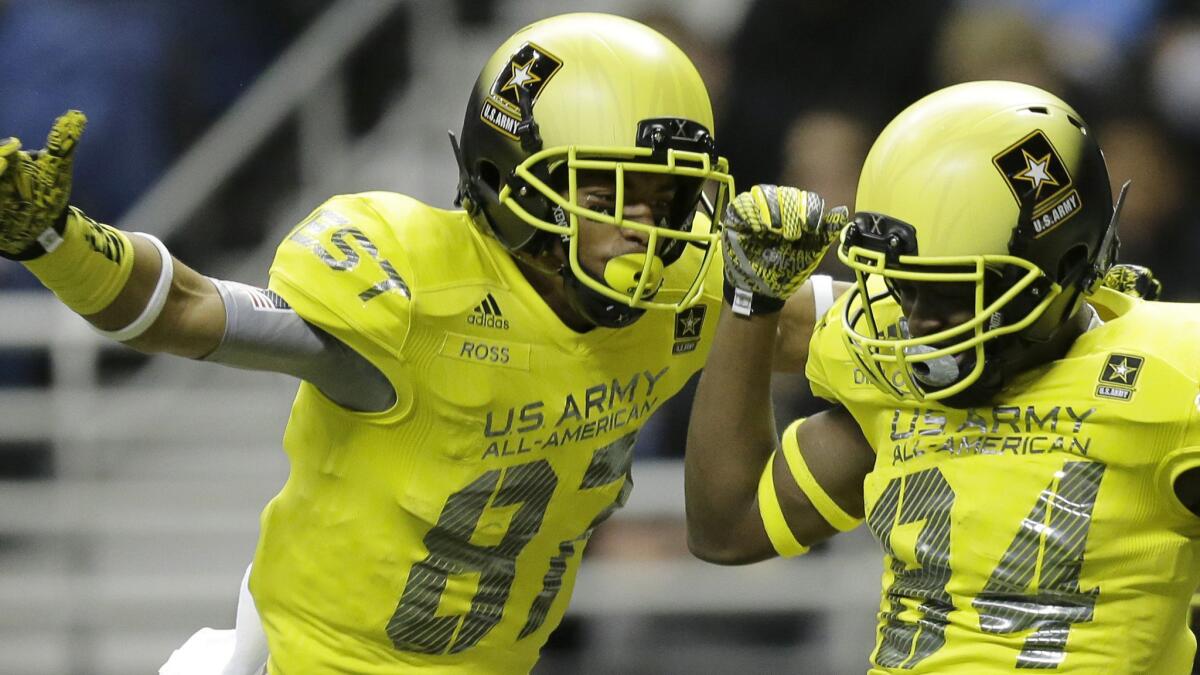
(1005, 356)
(599, 309)
(981, 391)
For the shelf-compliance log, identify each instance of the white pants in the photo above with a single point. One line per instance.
(241, 651)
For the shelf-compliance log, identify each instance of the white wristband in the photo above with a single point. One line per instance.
(158, 299)
(822, 287)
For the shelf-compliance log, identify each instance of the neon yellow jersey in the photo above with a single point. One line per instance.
(445, 533)
(1041, 532)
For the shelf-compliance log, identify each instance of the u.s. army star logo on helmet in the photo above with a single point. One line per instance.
(526, 73)
(1039, 181)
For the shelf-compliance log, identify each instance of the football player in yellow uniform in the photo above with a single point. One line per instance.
(472, 378)
(1023, 443)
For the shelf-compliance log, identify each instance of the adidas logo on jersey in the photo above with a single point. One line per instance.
(488, 314)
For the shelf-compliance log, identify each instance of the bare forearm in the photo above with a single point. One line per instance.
(797, 321)
(192, 320)
(731, 436)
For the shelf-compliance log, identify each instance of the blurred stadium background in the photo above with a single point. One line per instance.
(130, 487)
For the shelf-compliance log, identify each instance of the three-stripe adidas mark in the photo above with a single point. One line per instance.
(488, 314)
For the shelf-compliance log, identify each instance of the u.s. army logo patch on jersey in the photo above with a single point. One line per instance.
(688, 326)
(1039, 181)
(1119, 375)
(528, 71)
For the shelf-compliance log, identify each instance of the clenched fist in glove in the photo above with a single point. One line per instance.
(1133, 280)
(34, 189)
(773, 237)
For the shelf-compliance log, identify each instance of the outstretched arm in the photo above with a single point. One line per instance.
(127, 285)
(132, 290)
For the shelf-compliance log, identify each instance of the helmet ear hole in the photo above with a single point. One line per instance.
(489, 175)
(1072, 265)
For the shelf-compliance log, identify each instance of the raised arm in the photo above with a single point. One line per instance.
(127, 285)
(739, 511)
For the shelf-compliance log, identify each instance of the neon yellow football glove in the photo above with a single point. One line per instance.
(772, 239)
(34, 189)
(9, 148)
(1133, 280)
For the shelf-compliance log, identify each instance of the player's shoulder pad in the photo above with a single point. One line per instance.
(826, 351)
(1166, 330)
(358, 264)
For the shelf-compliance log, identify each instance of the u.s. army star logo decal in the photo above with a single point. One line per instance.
(525, 74)
(1119, 375)
(688, 327)
(1039, 181)
(1122, 369)
(521, 76)
(1037, 172)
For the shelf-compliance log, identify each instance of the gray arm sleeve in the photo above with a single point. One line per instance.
(262, 332)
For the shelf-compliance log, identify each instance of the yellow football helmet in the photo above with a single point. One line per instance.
(999, 189)
(593, 92)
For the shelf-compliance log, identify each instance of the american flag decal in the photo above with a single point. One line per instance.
(265, 300)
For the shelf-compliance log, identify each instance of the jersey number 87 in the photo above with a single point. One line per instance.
(416, 625)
